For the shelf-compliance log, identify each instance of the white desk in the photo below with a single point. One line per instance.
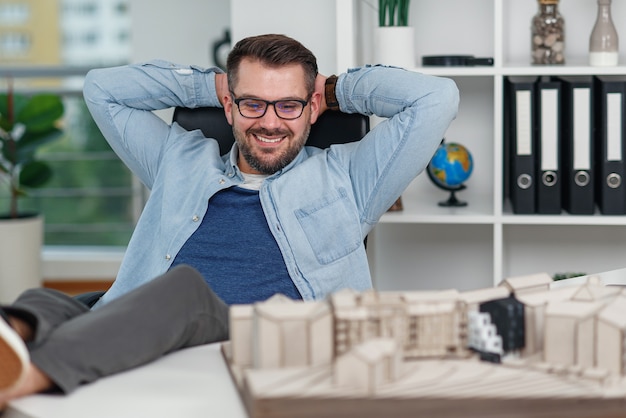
(190, 383)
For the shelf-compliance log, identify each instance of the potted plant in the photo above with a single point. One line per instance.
(26, 123)
(394, 41)
(393, 12)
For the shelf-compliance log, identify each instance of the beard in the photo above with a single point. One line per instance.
(269, 161)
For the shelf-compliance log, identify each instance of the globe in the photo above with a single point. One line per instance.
(449, 168)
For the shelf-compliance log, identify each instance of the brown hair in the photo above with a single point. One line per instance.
(272, 50)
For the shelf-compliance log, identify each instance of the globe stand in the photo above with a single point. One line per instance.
(452, 200)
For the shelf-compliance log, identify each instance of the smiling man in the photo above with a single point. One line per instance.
(268, 142)
(271, 216)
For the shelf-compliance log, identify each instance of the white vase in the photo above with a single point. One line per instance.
(394, 45)
(21, 241)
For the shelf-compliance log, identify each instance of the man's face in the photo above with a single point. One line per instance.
(269, 143)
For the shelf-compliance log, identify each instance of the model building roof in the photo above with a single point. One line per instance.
(292, 310)
(484, 295)
(523, 282)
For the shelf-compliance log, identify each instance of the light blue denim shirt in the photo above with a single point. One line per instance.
(319, 208)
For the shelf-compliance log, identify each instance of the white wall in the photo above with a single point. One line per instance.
(310, 22)
(181, 31)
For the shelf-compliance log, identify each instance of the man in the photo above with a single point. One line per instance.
(272, 216)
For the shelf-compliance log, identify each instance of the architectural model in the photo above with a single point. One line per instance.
(520, 349)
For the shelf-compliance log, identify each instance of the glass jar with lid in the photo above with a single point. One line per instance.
(548, 34)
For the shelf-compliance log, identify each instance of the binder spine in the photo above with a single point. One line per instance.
(609, 102)
(548, 147)
(520, 137)
(578, 152)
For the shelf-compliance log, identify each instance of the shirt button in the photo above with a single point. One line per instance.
(222, 181)
(195, 218)
(168, 257)
(231, 174)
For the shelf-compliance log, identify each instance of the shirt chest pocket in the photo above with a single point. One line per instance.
(331, 226)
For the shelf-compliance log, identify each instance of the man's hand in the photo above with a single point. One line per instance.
(221, 87)
(320, 89)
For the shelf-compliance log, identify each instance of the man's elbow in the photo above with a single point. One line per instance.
(93, 92)
(450, 97)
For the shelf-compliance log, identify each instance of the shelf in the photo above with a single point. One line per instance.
(426, 210)
(568, 69)
(478, 71)
(520, 69)
(427, 246)
(564, 219)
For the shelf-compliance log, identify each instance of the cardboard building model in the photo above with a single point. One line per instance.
(559, 352)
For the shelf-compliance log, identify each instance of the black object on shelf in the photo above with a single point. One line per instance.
(455, 61)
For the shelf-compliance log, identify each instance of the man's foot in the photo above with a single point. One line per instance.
(14, 358)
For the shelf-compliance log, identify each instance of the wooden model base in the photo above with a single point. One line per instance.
(466, 388)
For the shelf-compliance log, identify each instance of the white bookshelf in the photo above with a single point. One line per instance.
(429, 247)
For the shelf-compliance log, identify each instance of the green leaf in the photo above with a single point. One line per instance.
(35, 174)
(393, 12)
(40, 113)
(31, 141)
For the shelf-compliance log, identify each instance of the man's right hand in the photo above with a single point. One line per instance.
(221, 87)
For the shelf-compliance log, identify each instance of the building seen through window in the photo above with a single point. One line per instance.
(92, 198)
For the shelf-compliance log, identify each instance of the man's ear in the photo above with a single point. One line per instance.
(316, 100)
(228, 108)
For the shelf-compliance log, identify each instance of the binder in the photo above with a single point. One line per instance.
(609, 97)
(519, 136)
(548, 146)
(577, 144)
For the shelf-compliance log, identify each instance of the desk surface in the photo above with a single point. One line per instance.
(191, 383)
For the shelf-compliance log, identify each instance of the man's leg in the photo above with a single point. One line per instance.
(171, 312)
(40, 311)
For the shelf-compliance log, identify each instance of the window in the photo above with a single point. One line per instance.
(92, 200)
(14, 45)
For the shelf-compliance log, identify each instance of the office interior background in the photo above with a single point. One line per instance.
(93, 202)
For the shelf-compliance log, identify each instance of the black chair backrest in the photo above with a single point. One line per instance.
(330, 128)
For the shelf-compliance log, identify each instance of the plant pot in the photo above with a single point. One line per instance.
(395, 45)
(21, 241)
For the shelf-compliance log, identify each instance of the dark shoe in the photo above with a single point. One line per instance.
(4, 316)
(13, 355)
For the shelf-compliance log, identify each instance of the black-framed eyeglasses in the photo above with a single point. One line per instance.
(255, 108)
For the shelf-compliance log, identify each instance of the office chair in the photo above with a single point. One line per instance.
(330, 128)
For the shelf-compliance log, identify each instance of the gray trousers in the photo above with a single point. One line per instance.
(74, 345)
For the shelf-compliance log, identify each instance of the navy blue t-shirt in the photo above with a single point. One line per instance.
(235, 251)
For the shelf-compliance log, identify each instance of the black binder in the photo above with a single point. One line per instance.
(577, 144)
(610, 96)
(548, 145)
(519, 137)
